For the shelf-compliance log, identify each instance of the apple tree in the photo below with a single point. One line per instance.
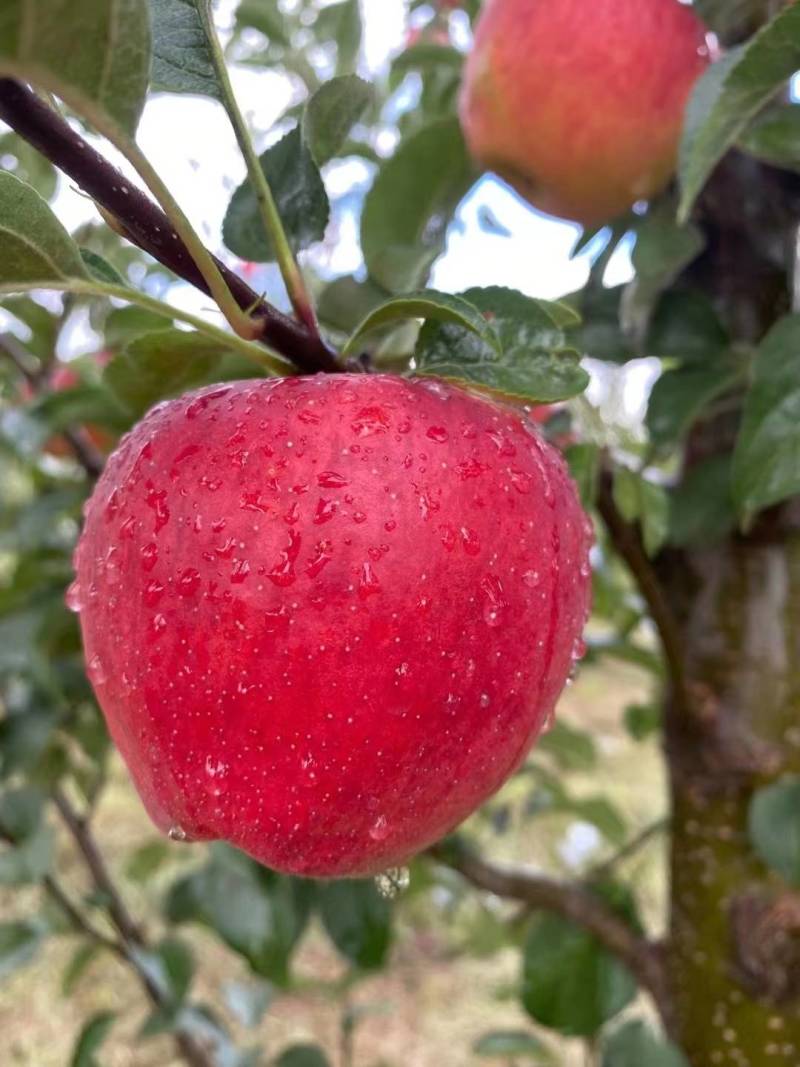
(220, 529)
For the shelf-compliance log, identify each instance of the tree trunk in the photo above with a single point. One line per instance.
(733, 956)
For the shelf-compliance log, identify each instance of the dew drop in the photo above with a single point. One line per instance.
(379, 830)
(188, 582)
(521, 481)
(485, 700)
(532, 578)
(470, 541)
(331, 480)
(95, 671)
(73, 597)
(149, 554)
(368, 584)
(495, 601)
(438, 434)
(177, 833)
(393, 882)
(370, 421)
(326, 509)
(216, 776)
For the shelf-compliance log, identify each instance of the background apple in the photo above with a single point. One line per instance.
(578, 105)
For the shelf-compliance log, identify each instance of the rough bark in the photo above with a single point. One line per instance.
(733, 954)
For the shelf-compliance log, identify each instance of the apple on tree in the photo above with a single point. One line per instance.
(327, 617)
(579, 106)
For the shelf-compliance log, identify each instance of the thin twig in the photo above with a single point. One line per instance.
(194, 1053)
(146, 225)
(571, 901)
(602, 870)
(627, 540)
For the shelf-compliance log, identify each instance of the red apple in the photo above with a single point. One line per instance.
(579, 105)
(327, 617)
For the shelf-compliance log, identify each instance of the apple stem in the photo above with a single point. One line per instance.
(270, 216)
(148, 227)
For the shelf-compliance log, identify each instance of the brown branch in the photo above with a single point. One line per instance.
(193, 1052)
(146, 225)
(572, 901)
(627, 541)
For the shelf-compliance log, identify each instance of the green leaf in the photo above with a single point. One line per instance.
(341, 23)
(300, 196)
(160, 365)
(774, 137)
(29, 859)
(169, 968)
(639, 500)
(408, 209)
(331, 113)
(91, 1038)
(29, 165)
(570, 983)
(642, 720)
(635, 1045)
(680, 397)
(182, 60)
(36, 247)
(358, 921)
(427, 304)
(765, 467)
(258, 914)
(248, 1001)
(584, 466)
(599, 330)
(774, 824)
(685, 327)
(701, 505)
(302, 1056)
(509, 1044)
(730, 93)
(100, 269)
(663, 249)
(573, 749)
(126, 324)
(146, 860)
(79, 962)
(345, 302)
(19, 943)
(535, 361)
(266, 17)
(95, 54)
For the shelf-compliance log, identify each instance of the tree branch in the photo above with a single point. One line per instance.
(193, 1052)
(571, 901)
(627, 540)
(146, 225)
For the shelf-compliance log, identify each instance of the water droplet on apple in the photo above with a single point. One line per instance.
(485, 700)
(438, 434)
(379, 830)
(177, 833)
(97, 675)
(532, 578)
(496, 603)
(73, 597)
(216, 776)
(331, 480)
(368, 584)
(470, 541)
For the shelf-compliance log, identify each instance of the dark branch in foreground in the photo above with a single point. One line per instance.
(627, 540)
(195, 1053)
(571, 901)
(146, 225)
